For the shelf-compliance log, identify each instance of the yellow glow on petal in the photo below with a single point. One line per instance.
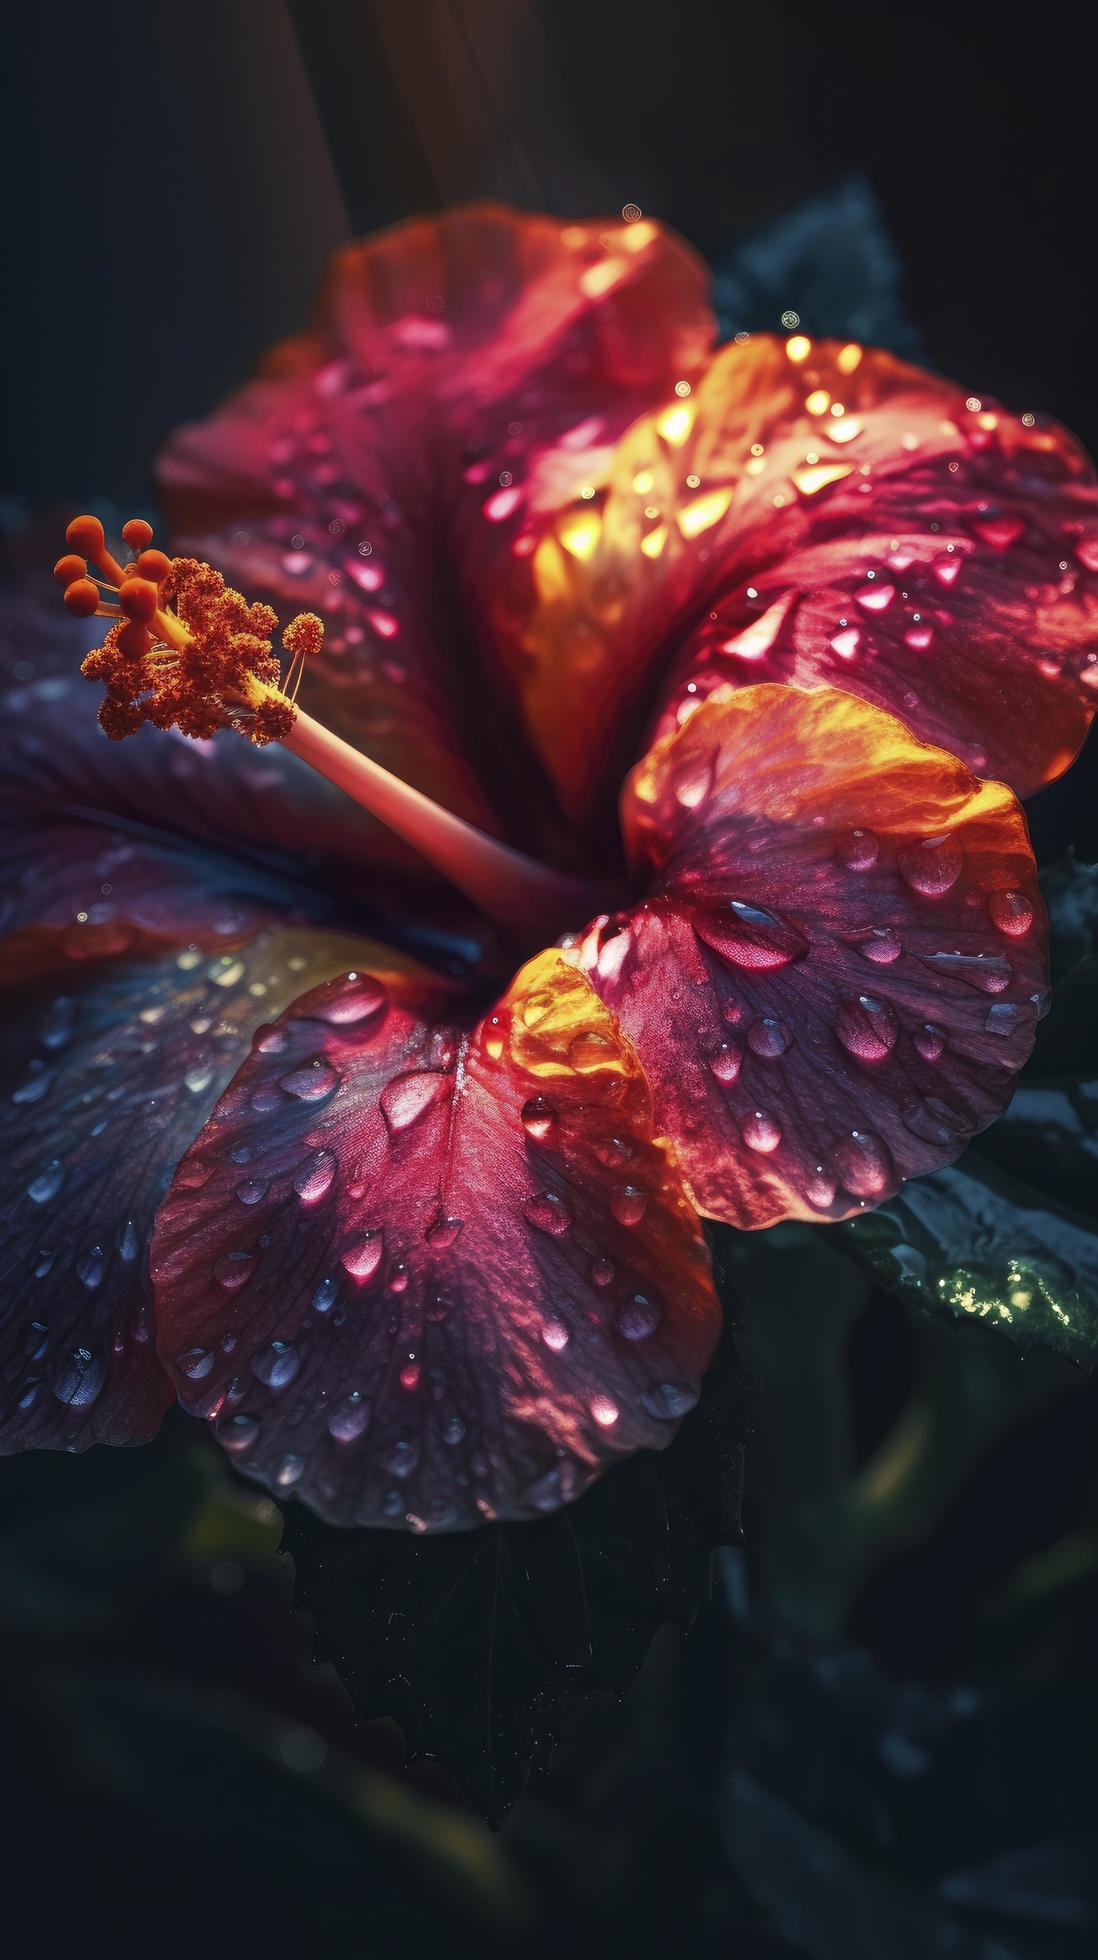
(599, 278)
(550, 572)
(653, 544)
(818, 402)
(798, 347)
(638, 236)
(580, 534)
(808, 481)
(676, 424)
(703, 512)
(642, 482)
(848, 358)
(846, 429)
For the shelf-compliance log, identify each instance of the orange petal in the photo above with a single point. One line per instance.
(841, 961)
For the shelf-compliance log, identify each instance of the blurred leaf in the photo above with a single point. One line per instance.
(1009, 1234)
(481, 1644)
(832, 262)
(875, 1817)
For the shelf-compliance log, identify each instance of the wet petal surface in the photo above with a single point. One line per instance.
(463, 372)
(842, 958)
(464, 1277)
(104, 1085)
(823, 513)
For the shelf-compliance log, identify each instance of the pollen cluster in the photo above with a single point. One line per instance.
(184, 650)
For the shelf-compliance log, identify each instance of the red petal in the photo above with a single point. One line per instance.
(464, 1277)
(937, 558)
(465, 373)
(839, 968)
(105, 1086)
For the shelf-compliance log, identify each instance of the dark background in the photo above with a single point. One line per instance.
(857, 1708)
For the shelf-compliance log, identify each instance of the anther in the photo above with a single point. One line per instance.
(137, 533)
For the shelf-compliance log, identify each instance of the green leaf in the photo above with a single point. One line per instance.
(481, 1644)
(1009, 1234)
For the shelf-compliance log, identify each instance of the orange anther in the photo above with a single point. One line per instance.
(82, 598)
(133, 640)
(154, 565)
(138, 598)
(86, 534)
(137, 533)
(70, 567)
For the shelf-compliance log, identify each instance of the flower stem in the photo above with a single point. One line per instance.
(517, 891)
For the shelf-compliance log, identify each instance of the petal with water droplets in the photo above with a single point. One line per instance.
(879, 969)
(484, 1309)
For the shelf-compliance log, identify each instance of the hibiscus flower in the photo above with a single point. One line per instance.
(646, 691)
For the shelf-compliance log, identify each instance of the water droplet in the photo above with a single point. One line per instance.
(311, 1083)
(692, 783)
(876, 597)
(234, 1269)
(867, 1028)
(363, 1257)
(1011, 912)
(601, 1271)
(314, 1179)
(933, 866)
(549, 1213)
(864, 1164)
(59, 1023)
(238, 1433)
(819, 1188)
(987, 971)
(1005, 1018)
(409, 1374)
(539, 1118)
(605, 1411)
(126, 1241)
(225, 971)
(289, 1471)
(882, 946)
(48, 1182)
(725, 1063)
(629, 1204)
(857, 850)
(930, 1041)
(91, 1268)
(545, 1492)
(934, 1121)
(196, 1363)
(453, 1431)
(745, 936)
(349, 1418)
(352, 1001)
(80, 1380)
(638, 1317)
(768, 1038)
(276, 1364)
(252, 1190)
(667, 1401)
(407, 1097)
(325, 1295)
(555, 1335)
(443, 1232)
(402, 1459)
(761, 1131)
(198, 1079)
(36, 1085)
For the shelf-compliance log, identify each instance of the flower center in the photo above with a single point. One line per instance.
(186, 651)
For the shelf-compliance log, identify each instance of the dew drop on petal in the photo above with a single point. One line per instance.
(48, 1182)
(761, 1131)
(363, 1257)
(238, 1433)
(988, 971)
(601, 1271)
(312, 1083)
(402, 1459)
(324, 1296)
(629, 1204)
(667, 1401)
(443, 1232)
(930, 1041)
(863, 1163)
(748, 937)
(196, 1363)
(867, 1028)
(725, 1062)
(276, 1364)
(819, 1188)
(933, 866)
(539, 1118)
(769, 1038)
(857, 850)
(252, 1190)
(934, 1121)
(80, 1380)
(548, 1211)
(1011, 912)
(407, 1097)
(1005, 1018)
(605, 1411)
(234, 1269)
(359, 998)
(289, 1471)
(314, 1179)
(637, 1317)
(883, 946)
(555, 1335)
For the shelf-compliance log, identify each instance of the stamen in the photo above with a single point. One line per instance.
(189, 652)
